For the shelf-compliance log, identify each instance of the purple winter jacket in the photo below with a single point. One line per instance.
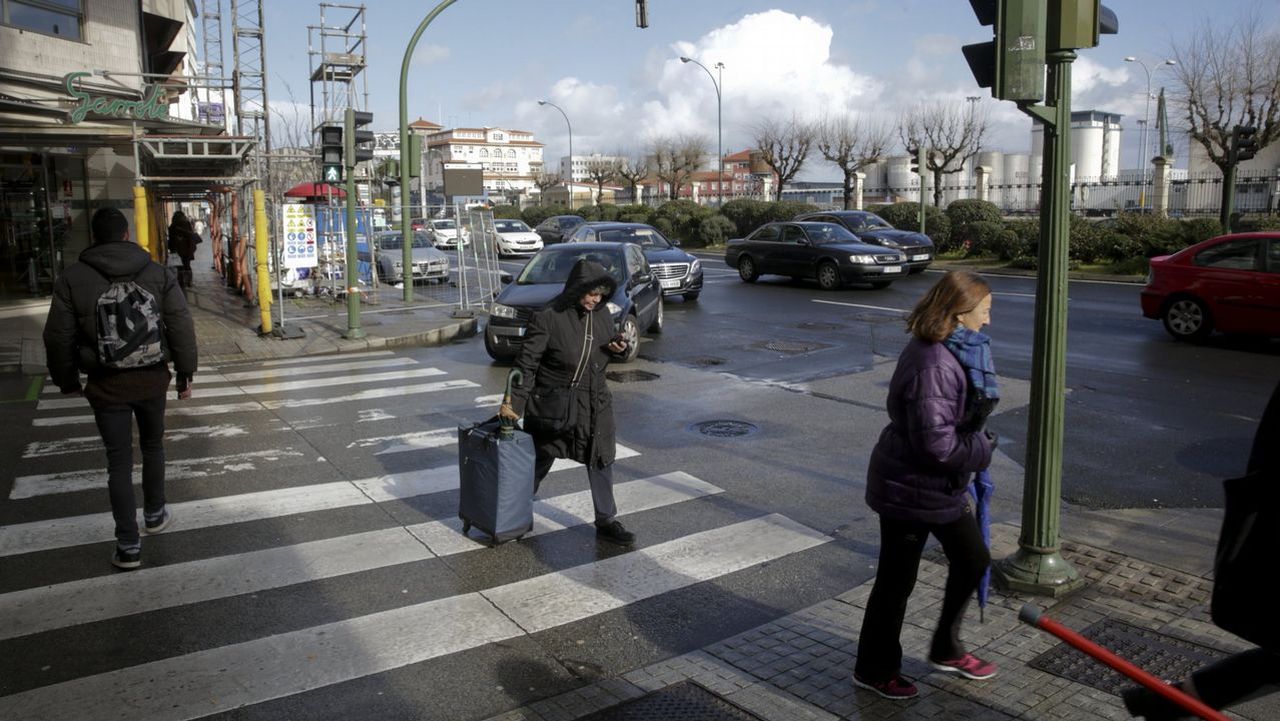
(921, 465)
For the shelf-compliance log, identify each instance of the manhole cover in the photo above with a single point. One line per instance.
(707, 361)
(631, 376)
(1160, 655)
(684, 701)
(818, 325)
(725, 429)
(790, 347)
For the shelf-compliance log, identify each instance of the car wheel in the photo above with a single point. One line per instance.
(881, 284)
(1187, 318)
(691, 297)
(747, 269)
(828, 275)
(656, 327)
(631, 334)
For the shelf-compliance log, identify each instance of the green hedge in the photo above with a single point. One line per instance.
(746, 214)
(716, 230)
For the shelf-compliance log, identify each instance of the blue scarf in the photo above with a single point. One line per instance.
(973, 349)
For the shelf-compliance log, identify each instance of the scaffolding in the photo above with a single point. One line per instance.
(336, 56)
(212, 59)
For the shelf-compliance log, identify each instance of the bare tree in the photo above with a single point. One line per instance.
(949, 132)
(600, 170)
(1229, 76)
(293, 155)
(784, 146)
(850, 144)
(675, 158)
(544, 180)
(631, 170)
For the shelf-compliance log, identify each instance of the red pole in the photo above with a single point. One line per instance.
(1033, 616)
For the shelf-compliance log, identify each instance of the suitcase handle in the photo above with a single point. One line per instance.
(506, 426)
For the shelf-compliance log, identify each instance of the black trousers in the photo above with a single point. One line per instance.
(600, 478)
(115, 424)
(1238, 678)
(901, 543)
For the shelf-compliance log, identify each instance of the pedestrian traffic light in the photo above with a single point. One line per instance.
(331, 153)
(1244, 143)
(359, 146)
(1012, 64)
(414, 156)
(1075, 24)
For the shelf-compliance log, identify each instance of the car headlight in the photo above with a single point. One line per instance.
(614, 308)
(502, 311)
(695, 266)
(862, 259)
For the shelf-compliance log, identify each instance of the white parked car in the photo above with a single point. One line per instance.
(445, 233)
(516, 238)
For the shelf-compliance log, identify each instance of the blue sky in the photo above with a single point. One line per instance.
(487, 63)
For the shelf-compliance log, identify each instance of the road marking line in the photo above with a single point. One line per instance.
(230, 677)
(88, 600)
(860, 305)
(53, 533)
(84, 444)
(322, 368)
(171, 409)
(371, 394)
(324, 358)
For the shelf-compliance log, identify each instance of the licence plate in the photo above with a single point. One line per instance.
(924, 256)
(670, 282)
(892, 269)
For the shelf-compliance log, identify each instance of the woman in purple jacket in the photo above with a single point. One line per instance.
(943, 389)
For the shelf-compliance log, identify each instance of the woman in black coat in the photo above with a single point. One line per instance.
(565, 351)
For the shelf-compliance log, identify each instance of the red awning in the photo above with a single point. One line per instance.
(315, 190)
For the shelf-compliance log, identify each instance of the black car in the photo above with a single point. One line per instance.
(825, 251)
(873, 229)
(558, 227)
(636, 305)
(677, 271)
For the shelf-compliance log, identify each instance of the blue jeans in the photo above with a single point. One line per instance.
(115, 424)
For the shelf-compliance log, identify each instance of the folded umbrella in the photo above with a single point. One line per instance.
(982, 488)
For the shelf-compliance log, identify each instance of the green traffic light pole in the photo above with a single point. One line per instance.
(1037, 566)
(351, 275)
(406, 225)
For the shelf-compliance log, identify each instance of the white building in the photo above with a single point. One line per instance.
(581, 165)
(510, 158)
(1095, 144)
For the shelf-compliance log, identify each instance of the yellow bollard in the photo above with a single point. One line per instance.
(140, 219)
(260, 251)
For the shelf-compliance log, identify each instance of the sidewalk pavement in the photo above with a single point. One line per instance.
(1146, 593)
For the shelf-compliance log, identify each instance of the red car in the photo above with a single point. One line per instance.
(1230, 283)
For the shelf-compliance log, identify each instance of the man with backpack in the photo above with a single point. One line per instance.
(119, 317)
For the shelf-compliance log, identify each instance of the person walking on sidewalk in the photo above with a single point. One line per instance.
(564, 396)
(120, 317)
(183, 241)
(942, 390)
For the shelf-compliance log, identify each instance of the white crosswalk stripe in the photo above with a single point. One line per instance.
(261, 466)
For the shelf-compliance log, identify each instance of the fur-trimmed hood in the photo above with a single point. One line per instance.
(584, 276)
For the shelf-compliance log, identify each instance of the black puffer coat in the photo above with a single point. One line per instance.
(552, 349)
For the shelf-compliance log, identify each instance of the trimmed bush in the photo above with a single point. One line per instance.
(1028, 232)
(1115, 247)
(507, 211)
(715, 230)
(1085, 242)
(664, 226)
(684, 216)
(979, 236)
(746, 214)
(635, 210)
(635, 218)
(609, 211)
(1255, 223)
(535, 214)
(1155, 235)
(788, 209)
(1006, 245)
(963, 214)
(590, 212)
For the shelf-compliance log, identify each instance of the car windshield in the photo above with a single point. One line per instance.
(510, 226)
(554, 266)
(642, 236)
(870, 221)
(392, 241)
(443, 224)
(823, 233)
(571, 221)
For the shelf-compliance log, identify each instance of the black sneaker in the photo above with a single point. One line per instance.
(158, 523)
(613, 532)
(127, 558)
(1143, 702)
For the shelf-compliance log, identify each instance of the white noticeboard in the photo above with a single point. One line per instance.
(298, 227)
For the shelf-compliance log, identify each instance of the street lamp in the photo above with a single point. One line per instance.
(1146, 120)
(566, 122)
(719, 125)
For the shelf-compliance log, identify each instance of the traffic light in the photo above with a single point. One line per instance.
(1075, 24)
(414, 156)
(331, 153)
(1012, 64)
(915, 159)
(358, 146)
(1244, 143)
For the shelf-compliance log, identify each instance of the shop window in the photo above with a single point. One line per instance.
(63, 18)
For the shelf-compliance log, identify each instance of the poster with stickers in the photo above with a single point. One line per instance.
(298, 226)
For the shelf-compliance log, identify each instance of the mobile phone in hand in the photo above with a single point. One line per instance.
(618, 338)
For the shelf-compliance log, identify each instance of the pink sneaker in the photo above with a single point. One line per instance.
(968, 665)
(898, 688)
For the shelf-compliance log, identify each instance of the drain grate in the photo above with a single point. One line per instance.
(818, 325)
(790, 347)
(631, 376)
(724, 428)
(1159, 654)
(683, 701)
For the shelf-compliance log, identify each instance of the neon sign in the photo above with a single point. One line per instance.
(149, 109)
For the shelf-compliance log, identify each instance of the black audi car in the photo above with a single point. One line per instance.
(636, 305)
(677, 271)
(873, 229)
(825, 251)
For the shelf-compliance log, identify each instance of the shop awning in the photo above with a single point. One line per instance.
(315, 190)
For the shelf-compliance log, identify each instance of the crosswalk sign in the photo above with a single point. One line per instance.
(332, 173)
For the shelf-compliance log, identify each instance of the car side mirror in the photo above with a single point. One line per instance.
(641, 277)
(505, 277)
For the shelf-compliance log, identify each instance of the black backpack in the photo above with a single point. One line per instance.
(129, 325)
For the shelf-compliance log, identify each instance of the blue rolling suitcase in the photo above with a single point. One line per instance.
(495, 471)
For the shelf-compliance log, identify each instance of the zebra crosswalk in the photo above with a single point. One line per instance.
(316, 509)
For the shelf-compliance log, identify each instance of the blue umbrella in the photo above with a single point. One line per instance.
(982, 488)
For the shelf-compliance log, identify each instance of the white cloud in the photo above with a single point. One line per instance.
(429, 54)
